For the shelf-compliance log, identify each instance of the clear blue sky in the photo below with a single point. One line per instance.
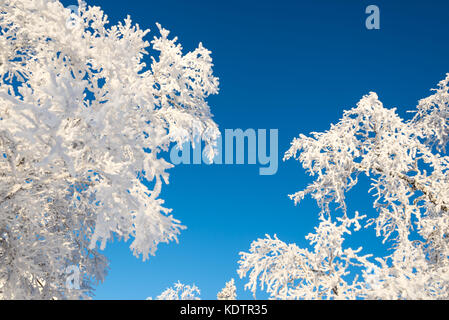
(288, 65)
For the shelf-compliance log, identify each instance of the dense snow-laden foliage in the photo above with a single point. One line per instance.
(180, 292)
(409, 172)
(228, 292)
(83, 122)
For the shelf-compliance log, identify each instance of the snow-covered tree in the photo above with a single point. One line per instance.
(180, 292)
(84, 118)
(409, 171)
(228, 292)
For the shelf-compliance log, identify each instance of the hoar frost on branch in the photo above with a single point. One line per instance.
(180, 292)
(409, 172)
(228, 292)
(83, 122)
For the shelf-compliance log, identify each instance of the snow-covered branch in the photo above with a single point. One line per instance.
(408, 167)
(84, 118)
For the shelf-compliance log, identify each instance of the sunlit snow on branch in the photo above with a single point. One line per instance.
(180, 292)
(83, 122)
(409, 173)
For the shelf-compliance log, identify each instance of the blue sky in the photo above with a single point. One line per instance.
(288, 65)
